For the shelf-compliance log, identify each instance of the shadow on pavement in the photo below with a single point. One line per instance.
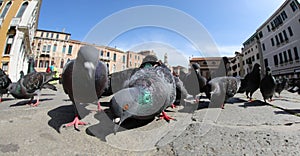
(25, 102)
(255, 103)
(64, 114)
(105, 126)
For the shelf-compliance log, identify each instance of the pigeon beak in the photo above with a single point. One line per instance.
(123, 118)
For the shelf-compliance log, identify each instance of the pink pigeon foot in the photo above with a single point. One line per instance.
(35, 104)
(75, 122)
(222, 106)
(173, 106)
(165, 116)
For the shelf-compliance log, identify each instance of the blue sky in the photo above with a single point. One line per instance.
(229, 23)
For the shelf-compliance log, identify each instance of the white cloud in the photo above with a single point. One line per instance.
(229, 50)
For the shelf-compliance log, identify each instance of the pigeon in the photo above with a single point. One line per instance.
(84, 80)
(4, 83)
(281, 84)
(251, 82)
(146, 94)
(268, 85)
(220, 89)
(193, 81)
(222, 69)
(31, 85)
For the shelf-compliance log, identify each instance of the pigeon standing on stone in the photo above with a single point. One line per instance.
(220, 89)
(4, 83)
(280, 85)
(222, 69)
(294, 86)
(146, 94)
(193, 81)
(31, 85)
(251, 82)
(267, 85)
(84, 80)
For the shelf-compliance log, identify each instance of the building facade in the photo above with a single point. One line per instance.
(236, 65)
(134, 59)
(207, 65)
(279, 37)
(251, 55)
(52, 47)
(18, 22)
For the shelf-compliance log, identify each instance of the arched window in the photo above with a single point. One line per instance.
(5, 10)
(22, 9)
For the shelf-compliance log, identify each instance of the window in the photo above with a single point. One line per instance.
(280, 37)
(263, 47)
(272, 41)
(66, 37)
(64, 49)
(260, 34)
(5, 66)
(257, 56)
(285, 35)
(280, 58)
(266, 62)
(42, 34)
(54, 48)
(44, 48)
(115, 57)
(124, 58)
(107, 54)
(41, 64)
(253, 59)
(70, 49)
(46, 64)
(290, 31)
(290, 55)
(48, 48)
(283, 15)
(268, 28)
(296, 53)
(277, 40)
(62, 63)
(285, 56)
(39, 46)
(47, 34)
(101, 53)
(9, 42)
(293, 6)
(57, 36)
(275, 57)
(5, 10)
(22, 9)
(52, 35)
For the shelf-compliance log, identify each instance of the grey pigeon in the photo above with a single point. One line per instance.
(193, 81)
(281, 84)
(31, 85)
(222, 69)
(148, 93)
(4, 83)
(220, 89)
(84, 80)
(267, 85)
(251, 82)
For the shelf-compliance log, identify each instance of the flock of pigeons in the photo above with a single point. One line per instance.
(144, 92)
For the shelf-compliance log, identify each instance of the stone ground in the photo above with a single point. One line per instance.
(242, 128)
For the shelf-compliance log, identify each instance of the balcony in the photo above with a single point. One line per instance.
(15, 22)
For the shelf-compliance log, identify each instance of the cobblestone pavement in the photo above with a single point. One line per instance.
(241, 128)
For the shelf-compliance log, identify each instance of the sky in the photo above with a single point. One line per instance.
(193, 28)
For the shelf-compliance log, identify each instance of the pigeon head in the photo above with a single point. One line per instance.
(148, 61)
(130, 102)
(12, 88)
(196, 66)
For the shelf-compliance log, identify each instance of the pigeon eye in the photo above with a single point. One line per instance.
(125, 107)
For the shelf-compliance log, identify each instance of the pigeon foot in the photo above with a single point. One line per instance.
(75, 122)
(173, 106)
(166, 117)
